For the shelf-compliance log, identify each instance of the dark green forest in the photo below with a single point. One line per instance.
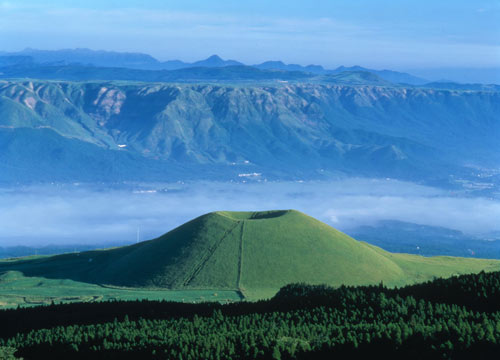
(455, 318)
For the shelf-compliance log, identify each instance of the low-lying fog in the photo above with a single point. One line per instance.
(66, 214)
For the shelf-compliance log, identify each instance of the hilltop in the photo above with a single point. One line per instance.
(254, 253)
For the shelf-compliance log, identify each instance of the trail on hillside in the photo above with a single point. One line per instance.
(211, 250)
(240, 259)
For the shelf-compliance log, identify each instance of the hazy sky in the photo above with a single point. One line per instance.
(399, 34)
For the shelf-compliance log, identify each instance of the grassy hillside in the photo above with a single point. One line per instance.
(252, 252)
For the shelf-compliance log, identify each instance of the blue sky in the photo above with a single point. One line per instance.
(393, 34)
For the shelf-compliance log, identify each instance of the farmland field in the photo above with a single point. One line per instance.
(16, 289)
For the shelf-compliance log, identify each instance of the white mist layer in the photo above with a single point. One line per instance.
(39, 216)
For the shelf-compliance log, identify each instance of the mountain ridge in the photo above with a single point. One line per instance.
(285, 130)
(142, 61)
(139, 61)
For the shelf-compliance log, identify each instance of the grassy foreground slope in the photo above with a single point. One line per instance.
(17, 289)
(255, 253)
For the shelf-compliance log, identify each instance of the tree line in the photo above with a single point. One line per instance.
(451, 318)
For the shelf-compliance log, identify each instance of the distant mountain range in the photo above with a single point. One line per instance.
(107, 116)
(77, 72)
(86, 57)
(226, 74)
(404, 237)
(118, 131)
(85, 64)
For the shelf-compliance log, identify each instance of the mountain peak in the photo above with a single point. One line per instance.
(214, 57)
(216, 61)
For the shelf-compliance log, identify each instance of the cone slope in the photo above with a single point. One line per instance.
(254, 252)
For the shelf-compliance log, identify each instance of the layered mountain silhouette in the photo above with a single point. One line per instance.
(139, 61)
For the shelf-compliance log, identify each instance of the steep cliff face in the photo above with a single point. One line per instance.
(290, 128)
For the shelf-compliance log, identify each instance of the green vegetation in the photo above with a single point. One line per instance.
(75, 131)
(456, 318)
(8, 353)
(247, 253)
(18, 290)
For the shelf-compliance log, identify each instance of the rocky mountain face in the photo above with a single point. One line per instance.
(118, 131)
